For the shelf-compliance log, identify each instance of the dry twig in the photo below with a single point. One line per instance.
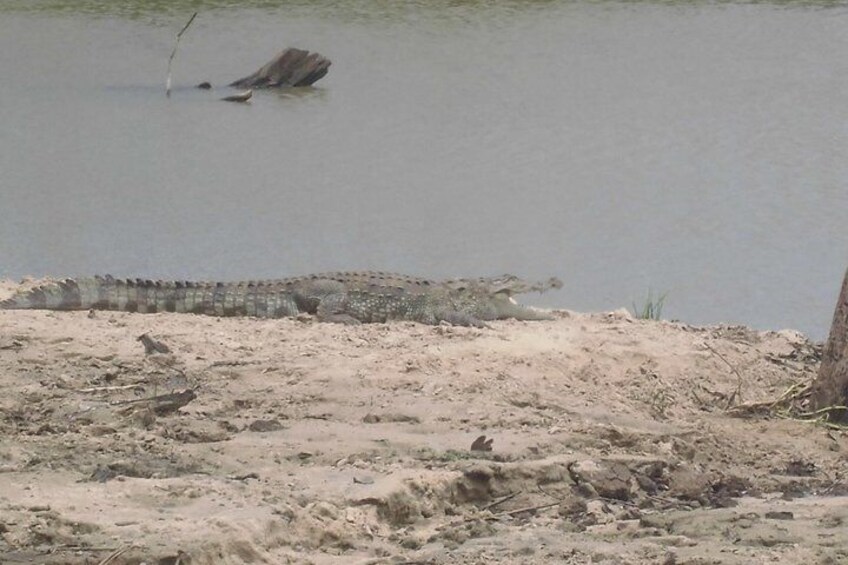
(165, 403)
(112, 557)
(111, 388)
(738, 391)
(501, 500)
(531, 508)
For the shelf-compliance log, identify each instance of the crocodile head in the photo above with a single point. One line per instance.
(492, 298)
(509, 285)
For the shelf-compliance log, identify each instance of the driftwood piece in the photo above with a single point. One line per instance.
(292, 67)
(830, 388)
(162, 404)
(239, 97)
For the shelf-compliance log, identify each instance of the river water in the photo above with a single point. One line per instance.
(696, 148)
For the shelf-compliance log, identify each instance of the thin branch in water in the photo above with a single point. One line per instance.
(174, 52)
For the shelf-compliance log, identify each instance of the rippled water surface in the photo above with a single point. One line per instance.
(695, 148)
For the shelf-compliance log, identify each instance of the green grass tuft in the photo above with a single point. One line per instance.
(652, 308)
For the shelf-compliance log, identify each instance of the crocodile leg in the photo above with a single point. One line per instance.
(327, 299)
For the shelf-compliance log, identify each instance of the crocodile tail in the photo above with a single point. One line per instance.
(109, 293)
(265, 300)
(66, 294)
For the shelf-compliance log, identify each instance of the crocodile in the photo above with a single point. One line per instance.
(350, 297)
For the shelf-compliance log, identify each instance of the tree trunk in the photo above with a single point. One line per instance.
(831, 386)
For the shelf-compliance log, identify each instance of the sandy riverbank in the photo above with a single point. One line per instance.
(322, 443)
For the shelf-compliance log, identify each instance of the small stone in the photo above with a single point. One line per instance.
(265, 426)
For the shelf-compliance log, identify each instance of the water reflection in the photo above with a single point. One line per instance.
(355, 9)
(352, 9)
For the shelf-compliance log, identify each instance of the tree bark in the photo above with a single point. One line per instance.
(831, 386)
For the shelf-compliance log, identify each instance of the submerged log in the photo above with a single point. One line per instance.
(239, 97)
(292, 67)
(830, 389)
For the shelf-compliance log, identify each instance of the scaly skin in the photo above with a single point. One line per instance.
(260, 299)
(346, 297)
